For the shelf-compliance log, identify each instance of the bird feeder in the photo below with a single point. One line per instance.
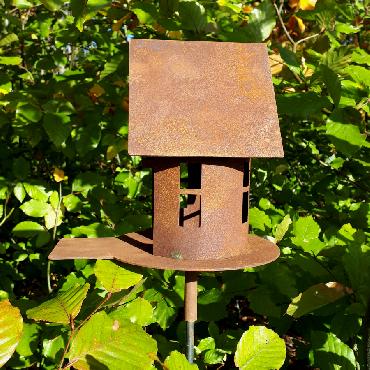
(199, 111)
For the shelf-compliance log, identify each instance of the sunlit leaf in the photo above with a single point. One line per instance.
(113, 277)
(260, 348)
(315, 297)
(61, 309)
(177, 361)
(112, 344)
(11, 326)
(306, 232)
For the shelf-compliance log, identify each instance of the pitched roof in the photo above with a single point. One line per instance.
(201, 98)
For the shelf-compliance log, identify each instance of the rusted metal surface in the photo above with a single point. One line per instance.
(190, 297)
(214, 228)
(137, 250)
(201, 99)
(210, 106)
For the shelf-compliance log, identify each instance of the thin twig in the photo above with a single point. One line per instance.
(75, 331)
(6, 216)
(125, 298)
(106, 298)
(309, 37)
(66, 348)
(282, 24)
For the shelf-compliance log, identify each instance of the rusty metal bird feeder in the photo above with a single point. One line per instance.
(203, 109)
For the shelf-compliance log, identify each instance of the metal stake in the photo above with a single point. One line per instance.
(190, 311)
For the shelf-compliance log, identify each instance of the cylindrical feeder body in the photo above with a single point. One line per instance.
(204, 217)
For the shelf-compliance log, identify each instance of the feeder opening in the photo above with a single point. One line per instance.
(190, 215)
(245, 207)
(246, 174)
(190, 175)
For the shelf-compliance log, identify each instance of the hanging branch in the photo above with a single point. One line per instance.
(294, 43)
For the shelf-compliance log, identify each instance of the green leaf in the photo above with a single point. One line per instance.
(29, 229)
(14, 61)
(346, 28)
(360, 56)
(178, 361)
(332, 83)
(306, 232)
(301, 105)
(259, 219)
(164, 314)
(61, 309)
(359, 74)
(329, 352)
(94, 230)
(53, 348)
(27, 346)
(260, 348)
(82, 11)
(146, 12)
(261, 22)
(84, 182)
(290, 59)
(30, 112)
(51, 217)
(57, 128)
(53, 5)
(113, 277)
(21, 168)
(346, 137)
(36, 192)
(88, 138)
(35, 208)
(315, 297)
(214, 356)
(282, 228)
(112, 66)
(192, 16)
(110, 344)
(8, 39)
(139, 312)
(72, 203)
(5, 84)
(11, 324)
(262, 302)
(168, 7)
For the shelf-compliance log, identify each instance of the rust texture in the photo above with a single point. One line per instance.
(205, 109)
(137, 250)
(190, 296)
(202, 99)
(213, 226)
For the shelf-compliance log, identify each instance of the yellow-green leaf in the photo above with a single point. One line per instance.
(105, 343)
(260, 348)
(315, 297)
(177, 361)
(11, 327)
(61, 309)
(113, 277)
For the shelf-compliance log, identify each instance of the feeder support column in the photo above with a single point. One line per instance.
(190, 311)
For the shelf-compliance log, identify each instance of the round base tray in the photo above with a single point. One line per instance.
(136, 249)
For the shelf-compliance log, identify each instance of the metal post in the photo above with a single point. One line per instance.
(190, 311)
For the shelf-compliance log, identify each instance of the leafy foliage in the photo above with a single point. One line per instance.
(11, 324)
(65, 171)
(114, 344)
(61, 309)
(260, 348)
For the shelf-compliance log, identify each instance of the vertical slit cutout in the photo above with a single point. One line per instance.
(246, 174)
(245, 207)
(190, 175)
